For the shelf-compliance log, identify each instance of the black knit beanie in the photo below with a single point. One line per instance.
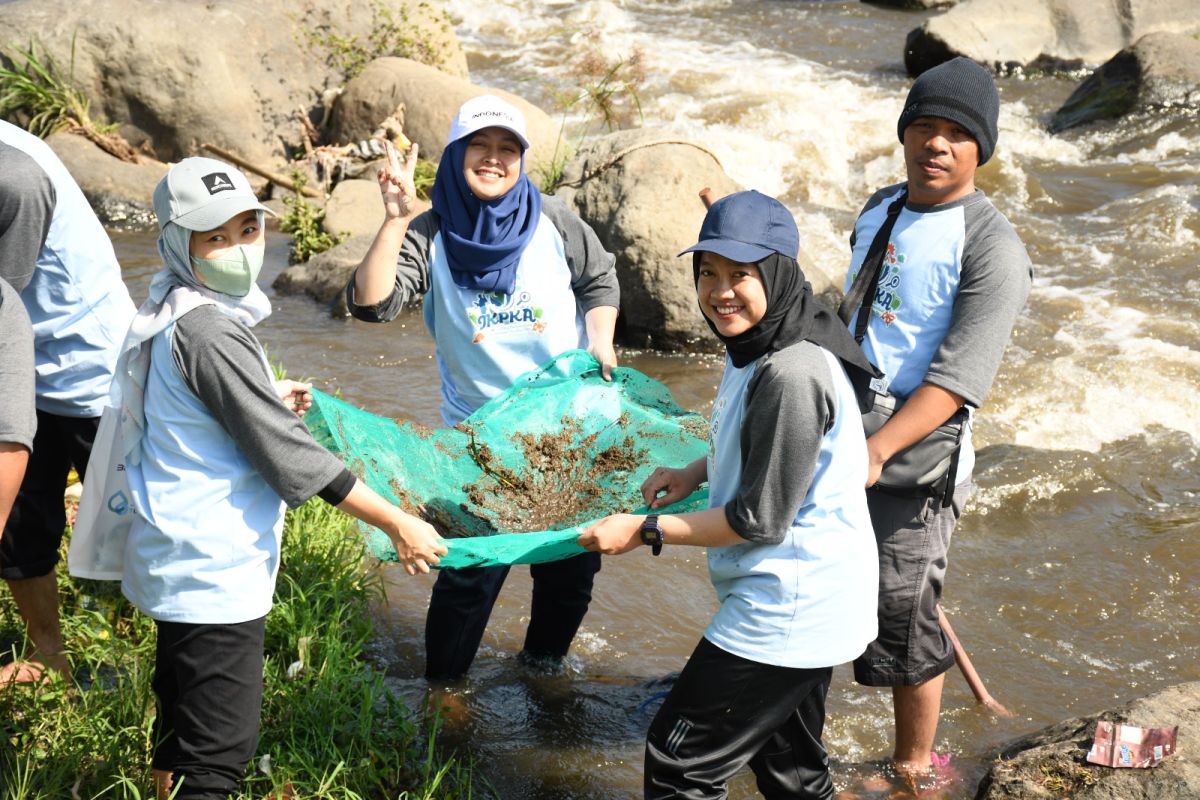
(958, 90)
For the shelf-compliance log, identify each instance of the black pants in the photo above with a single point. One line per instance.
(462, 602)
(208, 679)
(726, 711)
(35, 526)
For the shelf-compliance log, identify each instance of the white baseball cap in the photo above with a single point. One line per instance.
(202, 193)
(486, 111)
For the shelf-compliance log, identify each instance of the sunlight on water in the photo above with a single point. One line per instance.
(823, 138)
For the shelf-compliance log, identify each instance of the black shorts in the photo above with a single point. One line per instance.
(208, 680)
(35, 526)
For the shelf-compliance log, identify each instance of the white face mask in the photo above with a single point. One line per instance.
(235, 272)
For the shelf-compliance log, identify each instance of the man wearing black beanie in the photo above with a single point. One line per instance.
(953, 277)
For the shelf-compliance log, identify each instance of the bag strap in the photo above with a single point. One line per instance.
(951, 477)
(960, 418)
(866, 282)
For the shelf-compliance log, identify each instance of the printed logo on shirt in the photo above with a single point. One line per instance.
(887, 295)
(118, 503)
(500, 314)
(217, 182)
(714, 424)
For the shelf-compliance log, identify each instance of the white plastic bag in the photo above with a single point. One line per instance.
(105, 507)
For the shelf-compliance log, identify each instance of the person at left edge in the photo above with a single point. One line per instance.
(510, 278)
(791, 554)
(79, 308)
(214, 451)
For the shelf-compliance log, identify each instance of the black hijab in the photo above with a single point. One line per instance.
(793, 314)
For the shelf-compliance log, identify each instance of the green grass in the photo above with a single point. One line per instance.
(605, 94)
(35, 94)
(330, 726)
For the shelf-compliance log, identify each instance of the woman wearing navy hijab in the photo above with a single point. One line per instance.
(509, 278)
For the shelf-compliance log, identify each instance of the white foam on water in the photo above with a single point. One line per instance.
(822, 140)
(1169, 146)
(1024, 137)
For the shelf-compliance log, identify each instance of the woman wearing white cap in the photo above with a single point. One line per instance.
(212, 456)
(510, 279)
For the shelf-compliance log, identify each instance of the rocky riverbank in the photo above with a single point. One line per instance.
(299, 75)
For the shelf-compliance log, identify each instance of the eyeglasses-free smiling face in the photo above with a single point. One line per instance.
(940, 158)
(492, 164)
(731, 294)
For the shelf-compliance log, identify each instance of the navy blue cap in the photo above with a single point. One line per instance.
(747, 227)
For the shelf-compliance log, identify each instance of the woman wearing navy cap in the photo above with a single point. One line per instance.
(509, 279)
(790, 549)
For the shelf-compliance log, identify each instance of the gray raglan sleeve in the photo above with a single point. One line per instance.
(412, 274)
(593, 269)
(18, 418)
(790, 406)
(995, 282)
(221, 362)
(26, 208)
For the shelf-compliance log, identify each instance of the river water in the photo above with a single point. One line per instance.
(1069, 573)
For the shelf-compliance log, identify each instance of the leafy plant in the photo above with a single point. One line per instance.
(303, 221)
(391, 35)
(330, 727)
(605, 95)
(34, 91)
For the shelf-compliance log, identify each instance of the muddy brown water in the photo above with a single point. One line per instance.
(1072, 574)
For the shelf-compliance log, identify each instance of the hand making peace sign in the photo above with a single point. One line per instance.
(396, 181)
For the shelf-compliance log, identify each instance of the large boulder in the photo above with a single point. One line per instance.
(354, 207)
(639, 190)
(431, 98)
(177, 73)
(1043, 33)
(1160, 71)
(1052, 763)
(121, 193)
(324, 276)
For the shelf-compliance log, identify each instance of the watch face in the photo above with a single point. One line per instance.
(652, 534)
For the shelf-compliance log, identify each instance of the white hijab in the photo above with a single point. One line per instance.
(174, 291)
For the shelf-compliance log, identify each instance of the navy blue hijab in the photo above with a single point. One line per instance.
(484, 238)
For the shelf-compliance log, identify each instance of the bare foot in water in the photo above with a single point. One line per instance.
(451, 705)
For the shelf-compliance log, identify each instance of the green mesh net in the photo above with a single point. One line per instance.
(518, 480)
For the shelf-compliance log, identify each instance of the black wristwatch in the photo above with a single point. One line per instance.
(652, 534)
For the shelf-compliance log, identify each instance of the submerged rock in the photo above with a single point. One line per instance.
(1043, 34)
(324, 276)
(639, 190)
(1160, 71)
(1052, 762)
